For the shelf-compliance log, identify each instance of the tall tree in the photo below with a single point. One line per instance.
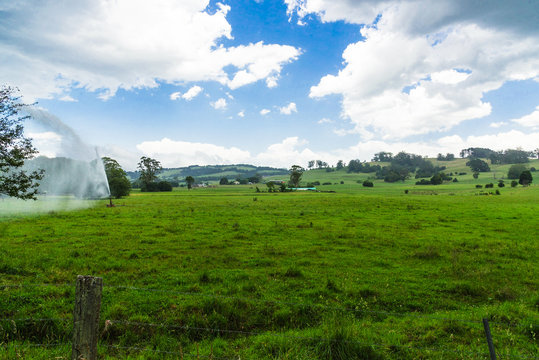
(190, 181)
(296, 172)
(149, 168)
(119, 184)
(15, 149)
(340, 165)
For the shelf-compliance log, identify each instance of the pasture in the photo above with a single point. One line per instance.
(229, 273)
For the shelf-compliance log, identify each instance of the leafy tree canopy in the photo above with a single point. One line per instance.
(149, 168)
(478, 165)
(119, 184)
(296, 172)
(15, 149)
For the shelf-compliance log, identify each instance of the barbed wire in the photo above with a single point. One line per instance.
(283, 302)
(37, 285)
(164, 352)
(297, 337)
(280, 302)
(35, 319)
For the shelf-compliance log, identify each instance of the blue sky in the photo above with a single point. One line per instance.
(276, 82)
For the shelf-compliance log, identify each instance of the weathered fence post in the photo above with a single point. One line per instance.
(86, 317)
(489, 339)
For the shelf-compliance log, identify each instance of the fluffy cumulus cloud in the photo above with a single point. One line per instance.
(173, 153)
(220, 104)
(264, 112)
(294, 150)
(48, 47)
(189, 95)
(423, 67)
(288, 109)
(530, 120)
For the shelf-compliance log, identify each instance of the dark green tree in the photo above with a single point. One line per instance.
(525, 178)
(223, 181)
(149, 168)
(296, 172)
(515, 171)
(340, 165)
(190, 181)
(119, 184)
(478, 165)
(15, 149)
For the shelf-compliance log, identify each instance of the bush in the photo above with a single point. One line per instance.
(515, 171)
(489, 186)
(475, 175)
(478, 186)
(316, 182)
(342, 182)
(368, 183)
(436, 179)
(501, 183)
(455, 180)
(514, 183)
(532, 169)
(525, 178)
(462, 173)
(326, 183)
(498, 192)
(423, 182)
(406, 191)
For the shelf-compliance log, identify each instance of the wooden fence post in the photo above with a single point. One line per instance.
(86, 317)
(489, 339)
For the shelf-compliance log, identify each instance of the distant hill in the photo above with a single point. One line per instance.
(214, 172)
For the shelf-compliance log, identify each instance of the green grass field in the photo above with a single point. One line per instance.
(361, 273)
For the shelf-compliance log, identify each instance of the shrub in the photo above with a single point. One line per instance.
(501, 183)
(406, 191)
(489, 186)
(525, 178)
(316, 182)
(475, 175)
(532, 169)
(423, 182)
(342, 182)
(479, 186)
(515, 171)
(514, 183)
(498, 192)
(164, 186)
(455, 180)
(326, 183)
(462, 173)
(368, 183)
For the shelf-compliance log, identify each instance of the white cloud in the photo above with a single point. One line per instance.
(192, 93)
(68, 98)
(182, 153)
(175, 95)
(294, 150)
(424, 66)
(498, 124)
(325, 121)
(219, 104)
(289, 109)
(264, 112)
(49, 47)
(241, 113)
(530, 120)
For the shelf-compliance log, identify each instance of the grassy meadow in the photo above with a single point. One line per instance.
(229, 273)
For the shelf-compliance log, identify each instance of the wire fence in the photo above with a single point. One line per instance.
(110, 324)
